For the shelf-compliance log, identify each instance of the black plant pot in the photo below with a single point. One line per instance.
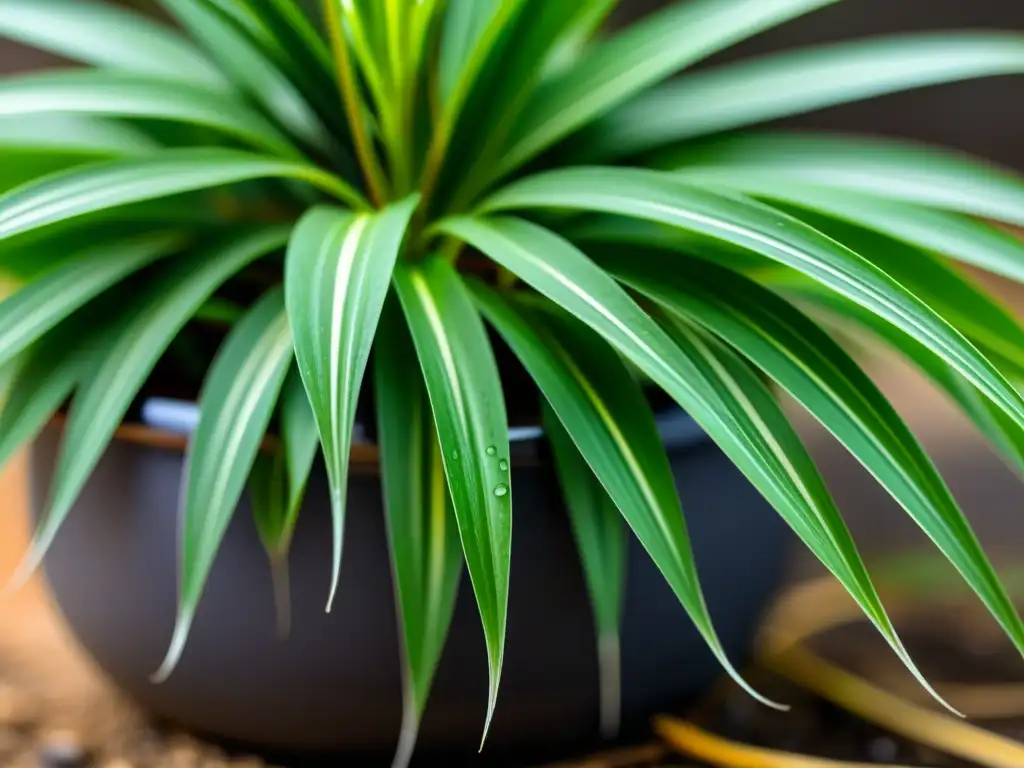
(333, 687)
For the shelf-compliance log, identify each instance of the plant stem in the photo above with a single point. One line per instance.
(350, 96)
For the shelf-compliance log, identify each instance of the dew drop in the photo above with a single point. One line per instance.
(491, 450)
(455, 455)
(503, 465)
(500, 490)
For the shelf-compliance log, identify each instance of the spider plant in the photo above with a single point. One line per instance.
(418, 178)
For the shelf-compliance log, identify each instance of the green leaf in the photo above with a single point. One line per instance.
(236, 405)
(42, 382)
(337, 273)
(476, 74)
(1004, 433)
(957, 299)
(277, 485)
(97, 187)
(423, 535)
(465, 22)
(557, 270)
(781, 84)
(947, 234)
(249, 69)
(122, 362)
(105, 35)
(469, 412)
(47, 300)
(600, 538)
(650, 50)
(119, 94)
(298, 49)
(587, 22)
(72, 134)
(502, 90)
(817, 522)
(297, 37)
(887, 168)
(818, 374)
(658, 197)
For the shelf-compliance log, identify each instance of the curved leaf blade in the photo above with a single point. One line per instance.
(782, 84)
(469, 414)
(558, 271)
(337, 271)
(71, 134)
(465, 22)
(423, 535)
(658, 197)
(236, 405)
(52, 297)
(651, 50)
(118, 94)
(817, 373)
(98, 187)
(1004, 433)
(42, 382)
(948, 234)
(104, 35)
(818, 523)
(122, 362)
(977, 314)
(887, 168)
(249, 69)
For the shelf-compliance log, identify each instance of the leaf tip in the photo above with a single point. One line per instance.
(407, 735)
(492, 701)
(174, 652)
(23, 572)
(609, 665)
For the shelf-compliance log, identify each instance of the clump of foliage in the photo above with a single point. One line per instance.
(329, 179)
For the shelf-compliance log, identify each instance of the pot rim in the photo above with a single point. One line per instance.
(168, 424)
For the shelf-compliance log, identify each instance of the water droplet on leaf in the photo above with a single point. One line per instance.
(491, 450)
(503, 465)
(455, 455)
(500, 490)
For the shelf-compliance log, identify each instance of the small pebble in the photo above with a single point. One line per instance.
(883, 749)
(63, 749)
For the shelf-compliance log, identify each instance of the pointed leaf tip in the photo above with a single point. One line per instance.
(337, 272)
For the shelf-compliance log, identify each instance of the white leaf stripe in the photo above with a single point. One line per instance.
(340, 377)
(337, 272)
(465, 393)
(93, 92)
(653, 50)
(270, 353)
(624, 448)
(444, 348)
(236, 404)
(484, 541)
(56, 295)
(122, 359)
(495, 241)
(855, 578)
(646, 195)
